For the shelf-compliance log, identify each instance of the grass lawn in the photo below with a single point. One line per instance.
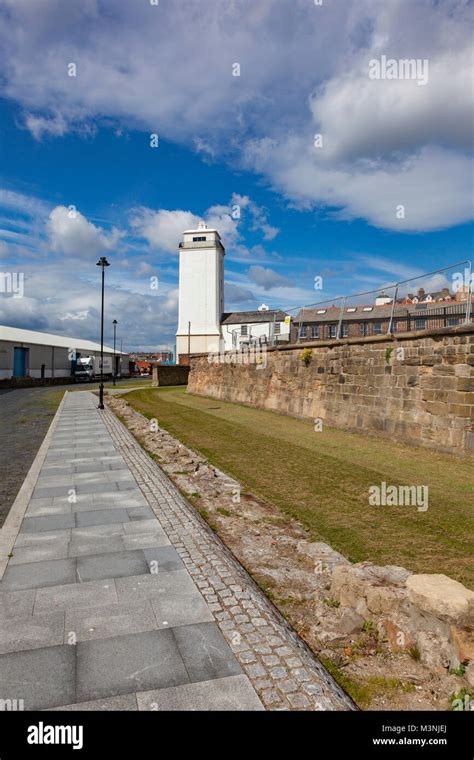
(322, 479)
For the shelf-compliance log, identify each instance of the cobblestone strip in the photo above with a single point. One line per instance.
(282, 669)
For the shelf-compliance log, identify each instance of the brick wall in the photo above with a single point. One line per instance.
(417, 387)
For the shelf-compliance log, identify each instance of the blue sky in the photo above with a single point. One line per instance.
(78, 178)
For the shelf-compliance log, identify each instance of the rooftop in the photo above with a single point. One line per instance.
(17, 335)
(244, 317)
(332, 313)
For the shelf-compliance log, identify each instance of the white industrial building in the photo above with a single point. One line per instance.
(28, 353)
(203, 327)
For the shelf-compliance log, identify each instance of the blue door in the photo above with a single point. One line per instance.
(19, 362)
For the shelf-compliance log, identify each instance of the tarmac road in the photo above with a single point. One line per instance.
(25, 415)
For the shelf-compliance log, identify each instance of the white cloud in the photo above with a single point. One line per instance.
(22, 204)
(385, 142)
(72, 234)
(163, 229)
(379, 119)
(236, 294)
(433, 185)
(259, 221)
(56, 126)
(59, 301)
(267, 278)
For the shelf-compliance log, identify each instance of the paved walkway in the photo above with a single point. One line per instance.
(118, 596)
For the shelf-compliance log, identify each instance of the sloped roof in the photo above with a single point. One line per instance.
(244, 317)
(332, 313)
(17, 335)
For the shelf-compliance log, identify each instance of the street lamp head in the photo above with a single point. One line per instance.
(115, 322)
(103, 262)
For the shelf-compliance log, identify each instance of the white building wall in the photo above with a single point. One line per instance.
(201, 292)
(56, 359)
(255, 330)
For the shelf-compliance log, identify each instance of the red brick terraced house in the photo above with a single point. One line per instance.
(421, 312)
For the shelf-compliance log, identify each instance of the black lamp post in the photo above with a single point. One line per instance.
(102, 263)
(115, 333)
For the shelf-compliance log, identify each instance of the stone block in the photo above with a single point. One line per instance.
(441, 597)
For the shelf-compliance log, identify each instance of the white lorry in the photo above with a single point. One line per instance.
(88, 368)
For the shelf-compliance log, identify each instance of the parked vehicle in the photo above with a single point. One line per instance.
(88, 368)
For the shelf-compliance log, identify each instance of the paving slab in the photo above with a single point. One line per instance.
(102, 504)
(42, 678)
(125, 664)
(140, 513)
(127, 702)
(75, 596)
(174, 583)
(143, 540)
(39, 552)
(56, 522)
(142, 526)
(97, 545)
(205, 652)
(233, 693)
(38, 574)
(17, 603)
(50, 510)
(95, 488)
(50, 491)
(111, 530)
(31, 632)
(110, 620)
(181, 609)
(162, 559)
(113, 565)
(101, 517)
(44, 537)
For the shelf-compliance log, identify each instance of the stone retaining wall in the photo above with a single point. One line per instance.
(169, 374)
(415, 387)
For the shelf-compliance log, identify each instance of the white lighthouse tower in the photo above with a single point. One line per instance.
(201, 292)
